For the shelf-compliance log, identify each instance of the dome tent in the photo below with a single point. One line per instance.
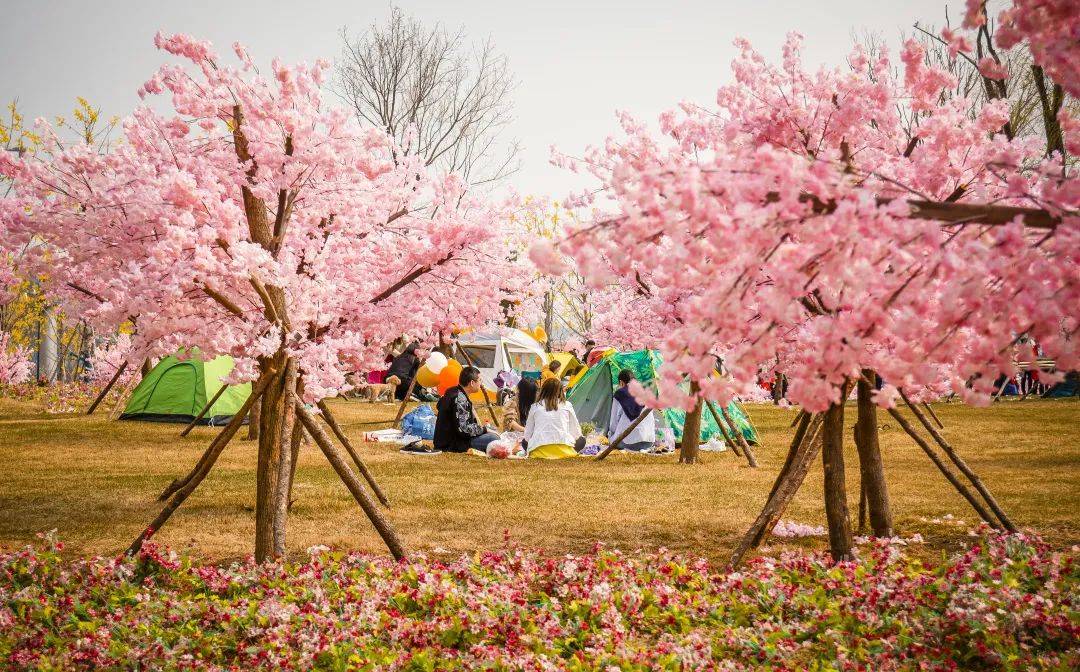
(176, 390)
(592, 396)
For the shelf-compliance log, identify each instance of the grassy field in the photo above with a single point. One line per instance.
(95, 482)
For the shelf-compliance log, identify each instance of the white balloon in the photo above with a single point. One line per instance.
(436, 362)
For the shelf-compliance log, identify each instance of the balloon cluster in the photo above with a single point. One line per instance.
(439, 372)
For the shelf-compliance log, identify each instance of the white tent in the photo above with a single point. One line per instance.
(496, 351)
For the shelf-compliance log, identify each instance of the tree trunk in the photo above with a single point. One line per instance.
(270, 420)
(298, 439)
(875, 490)
(691, 436)
(283, 478)
(147, 367)
(836, 506)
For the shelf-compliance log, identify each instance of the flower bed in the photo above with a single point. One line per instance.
(1007, 602)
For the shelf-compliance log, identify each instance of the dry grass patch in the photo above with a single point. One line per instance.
(96, 481)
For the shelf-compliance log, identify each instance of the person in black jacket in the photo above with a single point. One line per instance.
(404, 368)
(456, 427)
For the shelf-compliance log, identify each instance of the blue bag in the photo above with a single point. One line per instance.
(420, 423)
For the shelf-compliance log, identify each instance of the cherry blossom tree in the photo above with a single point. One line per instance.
(800, 228)
(259, 222)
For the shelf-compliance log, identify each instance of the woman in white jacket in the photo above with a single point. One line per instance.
(552, 430)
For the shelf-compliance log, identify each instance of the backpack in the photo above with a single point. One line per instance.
(419, 423)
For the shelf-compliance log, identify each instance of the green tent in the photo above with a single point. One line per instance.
(176, 390)
(592, 396)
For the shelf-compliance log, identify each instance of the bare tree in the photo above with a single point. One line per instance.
(442, 99)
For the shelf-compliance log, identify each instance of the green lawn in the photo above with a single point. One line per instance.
(96, 481)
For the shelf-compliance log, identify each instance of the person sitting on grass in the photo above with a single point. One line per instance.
(624, 412)
(551, 371)
(456, 426)
(516, 405)
(552, 430)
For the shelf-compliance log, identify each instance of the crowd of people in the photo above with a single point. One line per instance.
(540, 413)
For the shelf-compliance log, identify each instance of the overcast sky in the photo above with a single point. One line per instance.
(575, 62)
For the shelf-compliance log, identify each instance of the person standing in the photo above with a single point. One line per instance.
(456, 427)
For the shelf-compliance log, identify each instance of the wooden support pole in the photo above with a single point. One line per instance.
(723, 430)
(746, 448)
(328, 418)
(625, 433)
(798, 417)
(787, 484)
(944, 469)
(202, 468)
(101, 395)
(378, 520)
(930, 410)
(118, 407)
(962, 466)
(211, 451)
(404, 400)
(191, 425)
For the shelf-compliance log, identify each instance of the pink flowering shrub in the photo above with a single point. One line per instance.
(15, 364)
(1008, 602)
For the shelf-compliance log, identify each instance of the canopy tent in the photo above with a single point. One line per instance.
(176, 390)
(1069, 387)
(505, 350)
(592, 396)
(569, 365)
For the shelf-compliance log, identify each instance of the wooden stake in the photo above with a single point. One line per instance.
(747, 450)
(118, 407)
(626, 432)
(404, 400)
(205, 408)
(930, 410)
(944, 469)
(101, 395)
(328, 418)
(787, 484)
(723, 430)
(210, 453)
(798, 417)
(202, 468)
(381, 524)
(962, 466)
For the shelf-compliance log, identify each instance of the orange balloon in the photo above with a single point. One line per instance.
(425, 378)
(449, 376)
